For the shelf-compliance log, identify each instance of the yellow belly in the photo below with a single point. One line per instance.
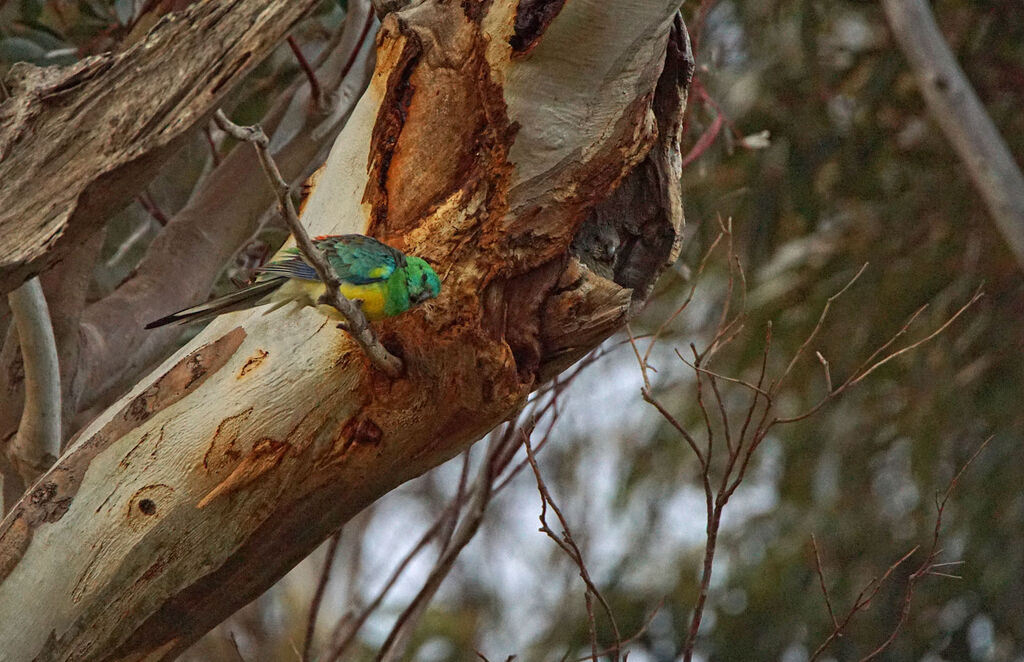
(307, 293)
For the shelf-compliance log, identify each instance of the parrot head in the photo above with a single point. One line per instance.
(421, 280)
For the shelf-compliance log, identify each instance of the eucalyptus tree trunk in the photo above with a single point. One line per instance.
(529, 150)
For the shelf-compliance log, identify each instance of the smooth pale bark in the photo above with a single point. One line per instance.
(78, 142)
(103, 347)
(962, 117)
(485, 142)
(37, 442)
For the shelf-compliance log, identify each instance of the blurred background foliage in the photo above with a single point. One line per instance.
(854, 172)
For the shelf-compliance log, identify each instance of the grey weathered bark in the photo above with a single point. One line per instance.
(104, 346)
(962, 117)
(65, 286)
(235, 458)
(61, 185)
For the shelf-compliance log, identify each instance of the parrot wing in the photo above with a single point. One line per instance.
(361, 260)
(357, 259)
(293, 267)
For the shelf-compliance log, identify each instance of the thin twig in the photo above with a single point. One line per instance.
(356, 323)
(863, 601)
(234, 645)
(316, 92)
(572, 550)
(817, 327)
(974, 299)
(479, 498)
(152, 208)
(821, 582)
(872, 363)
(343, 643)
(359, 45)
(926, 569)
(318, 596)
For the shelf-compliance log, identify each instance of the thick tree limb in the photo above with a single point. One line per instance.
(79, 142)
(236, 457)
(962, 117)
(37, 442)
(208, 230)
(356, 323)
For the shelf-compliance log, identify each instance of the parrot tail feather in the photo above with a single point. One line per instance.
(240, 300)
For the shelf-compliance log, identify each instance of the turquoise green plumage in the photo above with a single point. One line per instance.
(382, 280)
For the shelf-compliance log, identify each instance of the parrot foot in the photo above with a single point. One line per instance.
(344, 326)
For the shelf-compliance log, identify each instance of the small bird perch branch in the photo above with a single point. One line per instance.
(356, 323)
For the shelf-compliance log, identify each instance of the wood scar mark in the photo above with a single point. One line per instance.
(532, 19)
(222, 446)
(357, 432)
(265, 455)
(254, 362)
(91, 572)
(146, 501)
(127, 460)
(179, 381)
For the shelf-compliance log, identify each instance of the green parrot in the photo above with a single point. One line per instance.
(380, 279)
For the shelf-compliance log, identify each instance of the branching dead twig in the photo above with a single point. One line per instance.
(356, 323)
(460, 521)
(572, 550)
(927, 568)
(758, 416)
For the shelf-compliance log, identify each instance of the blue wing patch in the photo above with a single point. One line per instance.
(356, 259)
(293, 267)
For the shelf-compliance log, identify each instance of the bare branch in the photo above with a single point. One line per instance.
(821, 582)
(974, 299)
(926, 569)
(872, 363)
(572, 550)
(152, 208)
(316, 93)
(356, 323)
(962, 117)
(817, 327)
(318, 596)
(352, 626)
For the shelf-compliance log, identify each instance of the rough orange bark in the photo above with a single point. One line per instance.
(543, 183)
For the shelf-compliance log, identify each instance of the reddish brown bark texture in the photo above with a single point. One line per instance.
(523, 297)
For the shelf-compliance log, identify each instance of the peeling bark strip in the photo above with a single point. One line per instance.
(532, 18)
(50, 499)
(78, 142)
(482, 162)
